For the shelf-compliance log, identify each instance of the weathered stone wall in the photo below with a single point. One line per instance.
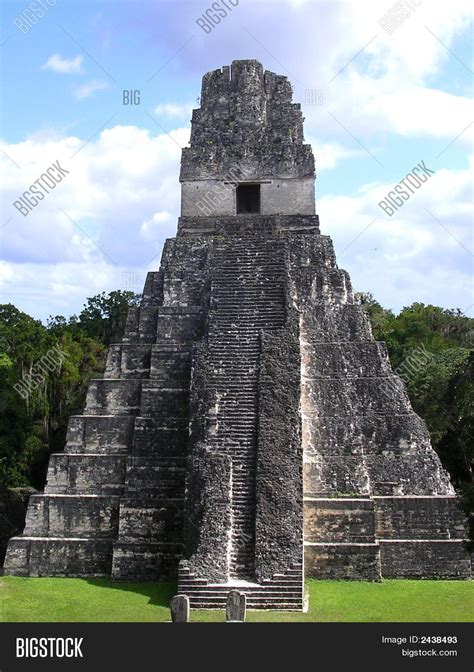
(419, 518)
(85, 516)
(13, 508)
(279, 486)
(342, 561)
(72, 474)
(362, 440)
(288, 197)
(247, 224)
(59, 557)
(150, 536)
(424, 559)
(113, 501)
(205, 198)
(339, 520)
(211, 487)
(360, 433)
(247, 125)
(217, 198)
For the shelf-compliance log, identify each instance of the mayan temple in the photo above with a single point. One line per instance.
(248, 431)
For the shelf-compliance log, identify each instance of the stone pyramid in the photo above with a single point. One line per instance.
(248, 430)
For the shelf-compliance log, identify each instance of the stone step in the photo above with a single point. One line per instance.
(230, 344)
(229, 341)
(254, 321)
(339, 519)
(238, 286)
(101, 434)
(59, 556)
(67, 515)
(235, 350)
(254, 592)
(239, 259)
(342, 560)
(280, 606)
(241, 490)
(236, 417)
(190, 581)
(249, 299)
(272, 287)
(230, 336)
(114, 397)
(237, 405)
(276, 603)
(225, 307)
(294, 591)
(249, 270)
(86, 473)
(232, 354)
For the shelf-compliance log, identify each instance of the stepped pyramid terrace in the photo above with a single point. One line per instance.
(248, 431)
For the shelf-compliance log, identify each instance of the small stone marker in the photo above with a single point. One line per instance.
(235, 607)
(179, 607)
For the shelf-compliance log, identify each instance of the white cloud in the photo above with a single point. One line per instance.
(89, 88)
(328, 154)
(150, 229)
(115, 183)
(67, 66)
(175, 110)
(61, 289)
(371, 107)
(111, 194)
(122, 195)
(374, 83)
(410, 256)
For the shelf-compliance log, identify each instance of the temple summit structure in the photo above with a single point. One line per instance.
(248, 431)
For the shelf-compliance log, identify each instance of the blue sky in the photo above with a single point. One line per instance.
(387, 101)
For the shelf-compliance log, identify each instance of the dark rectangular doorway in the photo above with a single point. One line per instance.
(248, 199)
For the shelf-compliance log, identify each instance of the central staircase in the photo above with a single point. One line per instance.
(283, 592)
(247, 296)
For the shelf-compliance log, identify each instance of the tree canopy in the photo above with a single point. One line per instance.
(34, 425)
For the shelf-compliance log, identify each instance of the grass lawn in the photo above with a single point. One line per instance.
(66, 600)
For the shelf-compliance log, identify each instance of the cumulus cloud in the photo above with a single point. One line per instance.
(373, 82)
(61, 289)
(175, 110)
(328, 154)
(107, 221)
(65, 66)
(103, 214)
(423, 252)
(151, 228)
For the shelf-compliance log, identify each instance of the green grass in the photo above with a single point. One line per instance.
(66, 600)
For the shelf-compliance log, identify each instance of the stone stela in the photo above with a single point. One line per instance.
(179, 608)
(235, 607)
(248, 430)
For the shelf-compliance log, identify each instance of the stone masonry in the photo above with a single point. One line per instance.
(248, 430)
